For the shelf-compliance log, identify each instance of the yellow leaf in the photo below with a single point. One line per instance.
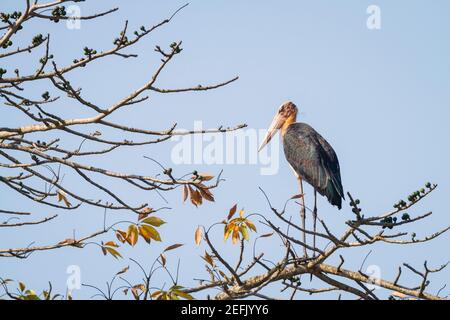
(183, 294)
(198, 235)
(21, 286)
(148, 232)
(113, 252)
(228, 229)
(244, 232)
(241, 213)
(235, 236)
(111, 244)
(250, 224)
(132, 235)
(154, 221)
(145, 234)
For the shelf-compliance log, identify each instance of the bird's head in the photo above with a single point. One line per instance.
(286, 115)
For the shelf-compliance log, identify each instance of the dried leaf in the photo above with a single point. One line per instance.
(205, 176)
(208, 259)
(144, 213)
(206, 194)
(250, 224)
(198, 235)
(232, 212)
(173, 247)
(123, 270)
(398, 295)
(67, 241)
(267, 235)
(147, 210)
(196, 197)
(163, 259)
(297, 196)
(135, 293)
(62, 196)
(185, 193)
(121, 235)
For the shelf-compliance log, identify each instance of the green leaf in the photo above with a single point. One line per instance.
(244, 232)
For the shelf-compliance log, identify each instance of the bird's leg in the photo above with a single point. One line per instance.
(314, 227)
(303, 215)
(314, 219)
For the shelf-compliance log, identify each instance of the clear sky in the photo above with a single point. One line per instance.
(380, 97)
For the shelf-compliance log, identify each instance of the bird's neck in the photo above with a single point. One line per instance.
(287, 123)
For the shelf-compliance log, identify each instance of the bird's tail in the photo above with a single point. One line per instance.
(334, 195)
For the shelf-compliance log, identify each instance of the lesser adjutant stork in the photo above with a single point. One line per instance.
(311, 157)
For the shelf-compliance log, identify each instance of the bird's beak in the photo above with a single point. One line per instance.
(276, 124)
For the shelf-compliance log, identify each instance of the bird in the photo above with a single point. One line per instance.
(311, 157)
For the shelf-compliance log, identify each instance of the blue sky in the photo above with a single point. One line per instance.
(380, 97)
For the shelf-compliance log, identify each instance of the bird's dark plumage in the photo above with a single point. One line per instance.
(314, 160)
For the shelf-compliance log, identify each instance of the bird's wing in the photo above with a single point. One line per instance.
(314, 160)
(332, 163)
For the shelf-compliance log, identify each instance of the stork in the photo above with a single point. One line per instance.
(312, 159)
